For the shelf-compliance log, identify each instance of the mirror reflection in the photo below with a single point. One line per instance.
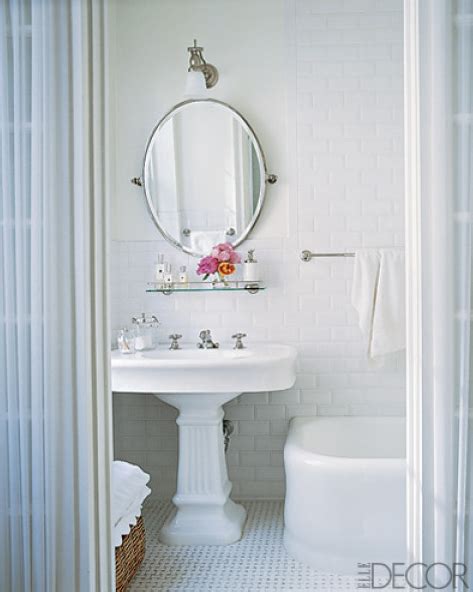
(204, 176)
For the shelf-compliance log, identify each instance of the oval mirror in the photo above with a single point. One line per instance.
(204, 176)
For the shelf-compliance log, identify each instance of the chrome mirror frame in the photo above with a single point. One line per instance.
(264, 176)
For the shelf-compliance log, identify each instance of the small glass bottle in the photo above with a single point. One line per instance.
(183, 277)
(126, 341)
(160, 266)
(168, 275)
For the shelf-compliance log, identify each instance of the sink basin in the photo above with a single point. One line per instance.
(198, 383)
(257, 368)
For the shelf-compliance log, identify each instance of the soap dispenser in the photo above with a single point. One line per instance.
(251, 268)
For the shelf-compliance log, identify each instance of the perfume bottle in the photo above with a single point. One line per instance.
(168, 275)
(160, 267)
(183, 277)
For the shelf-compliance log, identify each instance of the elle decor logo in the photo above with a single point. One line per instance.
(413, 576)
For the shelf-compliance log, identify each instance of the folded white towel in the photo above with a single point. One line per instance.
(129, 491)
(378, 294)
(203, 241)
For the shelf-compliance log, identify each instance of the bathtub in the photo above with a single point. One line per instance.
(345, 494)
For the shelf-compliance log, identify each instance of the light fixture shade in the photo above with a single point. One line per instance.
(195, 85)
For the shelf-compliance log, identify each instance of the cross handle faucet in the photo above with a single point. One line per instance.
(206, 340)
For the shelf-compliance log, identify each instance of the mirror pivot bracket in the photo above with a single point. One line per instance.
(271, 179)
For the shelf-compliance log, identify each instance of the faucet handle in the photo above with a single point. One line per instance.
(239, 343)
(174, 341)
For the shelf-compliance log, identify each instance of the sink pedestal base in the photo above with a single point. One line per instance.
(201, 525)
(205, 514)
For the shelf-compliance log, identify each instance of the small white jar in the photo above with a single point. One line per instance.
(251, 268)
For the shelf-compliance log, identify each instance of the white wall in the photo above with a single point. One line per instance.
(321, 82)
(243, 38)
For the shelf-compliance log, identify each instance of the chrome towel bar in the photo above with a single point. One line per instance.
(308, 255)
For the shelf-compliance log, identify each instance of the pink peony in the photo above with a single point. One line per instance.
(222, 253)
(226, 252)
(207, 265)
(235, 257)
(224, 256)
(224, 247)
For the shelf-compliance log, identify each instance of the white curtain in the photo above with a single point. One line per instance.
(439, 183)
(463, 259)
(55, 435)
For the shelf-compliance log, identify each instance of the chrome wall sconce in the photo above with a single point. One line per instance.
(197, 63)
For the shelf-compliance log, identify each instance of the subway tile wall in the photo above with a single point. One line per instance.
(347, 191)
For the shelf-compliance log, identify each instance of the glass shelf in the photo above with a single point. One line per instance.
(233, 286)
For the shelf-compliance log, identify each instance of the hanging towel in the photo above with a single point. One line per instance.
(365, 280)
(378, 295)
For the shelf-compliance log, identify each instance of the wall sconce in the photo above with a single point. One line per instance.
(197, 63)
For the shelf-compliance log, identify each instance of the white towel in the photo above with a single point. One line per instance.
(129, 491)
(202, 241)
(378, 294)
(130, 517)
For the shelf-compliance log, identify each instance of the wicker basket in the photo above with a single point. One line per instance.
(129, 555)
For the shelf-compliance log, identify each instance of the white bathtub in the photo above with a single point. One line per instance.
(345, 497)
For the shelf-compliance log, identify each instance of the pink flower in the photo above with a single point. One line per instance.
(207, 265)
(224, 255)
(235, 257)
(226, 252)
(224, 247)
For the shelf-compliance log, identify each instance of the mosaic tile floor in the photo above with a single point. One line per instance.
(257, 563)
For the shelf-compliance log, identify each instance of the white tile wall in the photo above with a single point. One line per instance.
(347, 192)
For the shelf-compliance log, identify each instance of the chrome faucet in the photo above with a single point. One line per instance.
(206, 340)
(142, 319)
(174, 341)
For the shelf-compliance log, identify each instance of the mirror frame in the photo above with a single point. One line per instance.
(264, 177)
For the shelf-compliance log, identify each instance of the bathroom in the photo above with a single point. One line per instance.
(265, 431)
(332, 132)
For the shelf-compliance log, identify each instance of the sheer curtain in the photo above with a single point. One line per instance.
(463, 258)
(55, 435)
(439, 191)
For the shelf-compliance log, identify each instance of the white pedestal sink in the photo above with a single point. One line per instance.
(198, 382)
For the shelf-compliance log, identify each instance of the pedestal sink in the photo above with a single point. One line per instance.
(198, 382)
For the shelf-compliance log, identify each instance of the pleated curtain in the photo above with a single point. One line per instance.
(55, 432)
(439, 207)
